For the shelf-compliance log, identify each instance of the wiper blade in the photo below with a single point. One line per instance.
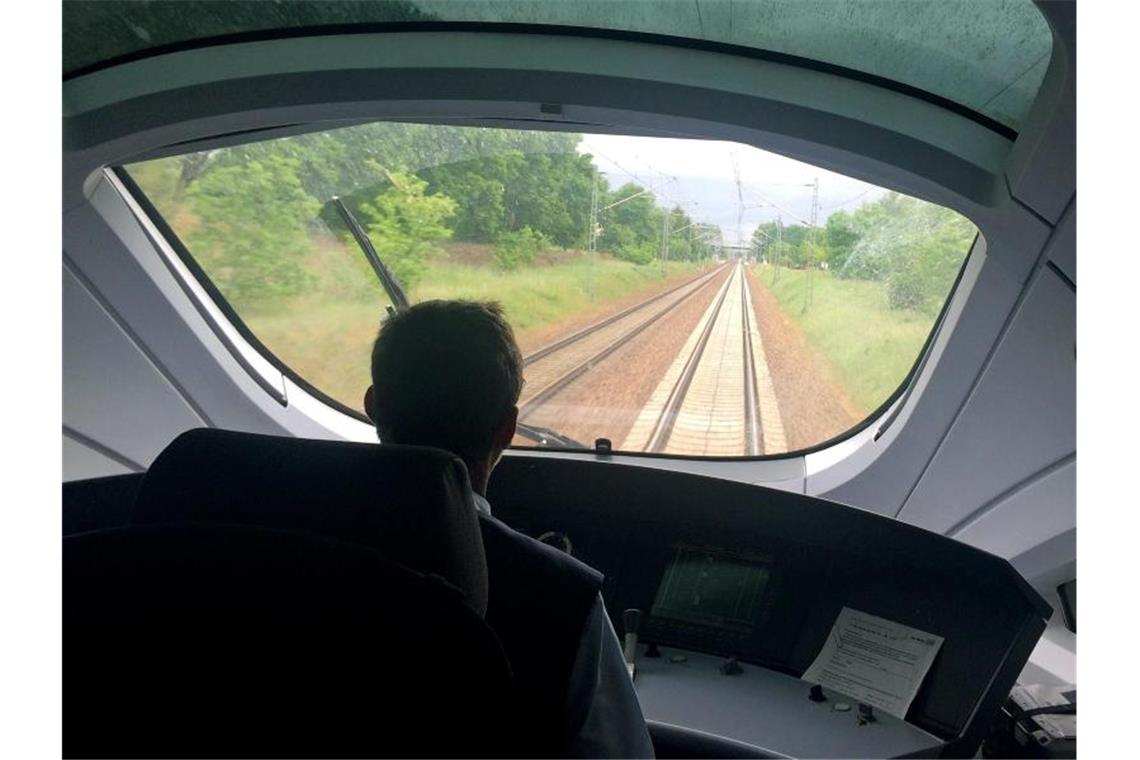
(547, 437)
(387, 279)
(540, 435)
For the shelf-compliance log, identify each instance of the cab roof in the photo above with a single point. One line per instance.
(985, 60)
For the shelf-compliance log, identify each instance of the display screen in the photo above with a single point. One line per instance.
(713, 587)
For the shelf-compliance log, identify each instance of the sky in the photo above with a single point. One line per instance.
(699, 175)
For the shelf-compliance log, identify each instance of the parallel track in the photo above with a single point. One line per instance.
(555, 366)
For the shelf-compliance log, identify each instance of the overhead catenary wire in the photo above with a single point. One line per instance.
(775, 205)
(641, 180)
(657, 190)
(850, 200)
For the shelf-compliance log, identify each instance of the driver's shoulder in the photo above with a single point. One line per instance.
(517, 553)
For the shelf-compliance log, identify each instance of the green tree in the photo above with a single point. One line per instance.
(923, 272)
(481, 213)
(840, 237)
(914, 247)
(681, 232)
(251, 231)
(632, 229)
(406, 224)
(518, 247)
(780, 244)
(764, 239)
(809, 255)
(522, 183)
(704, 240)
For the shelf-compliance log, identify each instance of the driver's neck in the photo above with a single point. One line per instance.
(480, 474)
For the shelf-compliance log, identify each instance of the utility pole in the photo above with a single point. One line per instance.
(808, 297)
(739, 201)
(665, 241)
(779, 247)
(592, 237)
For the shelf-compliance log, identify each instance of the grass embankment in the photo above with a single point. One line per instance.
(538, 296)
(870, 346)
(327, 339)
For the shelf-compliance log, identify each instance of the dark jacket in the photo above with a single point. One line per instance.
(539, 599)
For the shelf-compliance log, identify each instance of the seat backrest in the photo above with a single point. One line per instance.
(210, 641)
(411, 503)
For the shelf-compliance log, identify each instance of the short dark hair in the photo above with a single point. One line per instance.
(444, 373)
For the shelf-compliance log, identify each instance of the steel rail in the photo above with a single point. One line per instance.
(562, 343)
(560, 383)
(753, 433)
(668, 419)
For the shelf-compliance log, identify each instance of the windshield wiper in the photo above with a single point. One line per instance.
(387, 279)
(540, 435)
(547, 437)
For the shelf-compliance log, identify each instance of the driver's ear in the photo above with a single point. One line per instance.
(370, 404)
(507, 429)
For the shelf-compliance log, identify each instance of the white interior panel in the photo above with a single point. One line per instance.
(1037, 513)
(1054, 660)
(81, 462)
(1019, 419)
(112, 391)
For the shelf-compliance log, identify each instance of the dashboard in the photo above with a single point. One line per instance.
(766, 709)
(721, 570)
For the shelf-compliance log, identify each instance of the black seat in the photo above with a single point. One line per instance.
(284, 597)
(212, 641)
(412, 503)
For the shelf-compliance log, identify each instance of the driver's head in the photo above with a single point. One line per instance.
(447, 374)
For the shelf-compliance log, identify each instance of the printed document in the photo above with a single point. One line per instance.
(874, 660)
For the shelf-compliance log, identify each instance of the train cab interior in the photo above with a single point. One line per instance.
(794, 286)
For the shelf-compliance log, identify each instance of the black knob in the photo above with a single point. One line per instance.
(816, 694)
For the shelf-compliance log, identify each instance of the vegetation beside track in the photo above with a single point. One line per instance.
(870, 345)
(327, 340)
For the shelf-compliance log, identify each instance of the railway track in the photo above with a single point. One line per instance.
(716, 399)
(552, 368)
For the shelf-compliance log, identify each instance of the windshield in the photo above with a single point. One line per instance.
(673, 296)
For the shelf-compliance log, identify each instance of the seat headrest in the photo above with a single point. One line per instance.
(411, 503)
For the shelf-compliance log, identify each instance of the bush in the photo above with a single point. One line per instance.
(518, 247)
(252, 235)
(643, 253)
(908, 289)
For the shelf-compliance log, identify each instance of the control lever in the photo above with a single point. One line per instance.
(631, 623)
